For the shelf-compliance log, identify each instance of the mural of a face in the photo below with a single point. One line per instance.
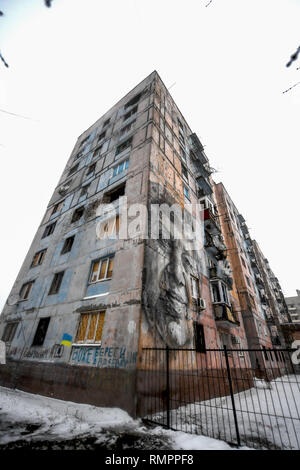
(167, 292)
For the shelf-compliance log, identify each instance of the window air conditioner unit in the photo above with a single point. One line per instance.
(201, 304)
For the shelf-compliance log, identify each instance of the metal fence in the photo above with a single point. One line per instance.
(245, 397)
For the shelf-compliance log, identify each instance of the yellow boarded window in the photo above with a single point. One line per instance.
(90, 327)
(100, 324)
(84, 320)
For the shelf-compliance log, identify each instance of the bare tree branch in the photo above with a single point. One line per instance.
(3, 60)
(293, 57)
(285, 91)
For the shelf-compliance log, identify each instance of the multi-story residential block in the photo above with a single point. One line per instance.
(293, 304)
(248, 282)
(103, 279)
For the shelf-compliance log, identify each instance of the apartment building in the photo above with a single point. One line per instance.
(293, 304)
(102, 281)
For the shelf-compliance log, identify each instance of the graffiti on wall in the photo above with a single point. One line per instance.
(115, 357)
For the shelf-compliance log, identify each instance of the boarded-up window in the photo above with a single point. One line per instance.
(101, 269)
(90, 327)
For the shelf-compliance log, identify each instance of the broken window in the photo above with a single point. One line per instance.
(101, 269)
(133, 101)
(109, 227)
(219, 292)
(181, 138)
(130, 113)
(67, 245)
(84, 191)
(38, 258)
(84, 141)
(91, 169)
(180, 124)
(182, 153)
(106, 122)
(10, 331)
(121, 167)
(77, 214)
(184, 171)
(57, 207)
(115, 194)
(56, 283)
(90, 327)
(101, 136)
(41, 331)
(73, 169)
(25, 290)
(125, 145)
(127, 128)
(49, 230)
(199, 337)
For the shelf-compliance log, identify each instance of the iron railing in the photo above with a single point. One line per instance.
(245, 397)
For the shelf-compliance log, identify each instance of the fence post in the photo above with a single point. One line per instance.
(232, 397)
(168, 386)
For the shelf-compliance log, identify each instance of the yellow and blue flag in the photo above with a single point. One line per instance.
(66, 340)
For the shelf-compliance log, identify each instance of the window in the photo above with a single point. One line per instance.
(84, 141)
(91, 169)
(199, 337)
(41, 331)
(57, 207)
(127, 128)
(90, 327)
(97, 152)
(109, 227)
(184, 171)
(180, 124)
(49, 230)
(25, 290)
(10, 331)
(56, 283)
(106, 122)
(73, 169)
(186, 192)
(130, 113)
(115, 194)
(101, 269)
(101, 136)
(77, 214)
(182, 153)
(125, 145)
(121, 167)
(133, 101)
(84, 191)
(67, 245)
(38, 258)
(195, 287)
(219, 292)
(181, 138)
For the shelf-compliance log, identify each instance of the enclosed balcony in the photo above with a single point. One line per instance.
(197, 149)
(203, 187)
(224, 316)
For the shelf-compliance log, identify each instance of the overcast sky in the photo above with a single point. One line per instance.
(70, 63)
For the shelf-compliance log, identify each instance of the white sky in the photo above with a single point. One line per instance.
(69, 64)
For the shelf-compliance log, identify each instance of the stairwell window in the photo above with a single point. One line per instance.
(67, 245)
(25, 290)
(101, 270)
(90, 328)
(38, 258)
(56, 283)
(49, 229)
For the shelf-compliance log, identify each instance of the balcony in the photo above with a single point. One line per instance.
(211, 222)
(219, 273)
(197, 148)
(215, 246)
(224, 316)
(203, 187)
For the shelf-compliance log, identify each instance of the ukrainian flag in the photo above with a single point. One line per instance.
(66, 340)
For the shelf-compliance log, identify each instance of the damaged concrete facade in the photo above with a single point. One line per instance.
(87, 301)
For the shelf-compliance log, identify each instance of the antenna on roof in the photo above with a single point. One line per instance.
(172, 85)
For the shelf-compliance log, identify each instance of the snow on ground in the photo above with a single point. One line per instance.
(268, 415)
(38, 422)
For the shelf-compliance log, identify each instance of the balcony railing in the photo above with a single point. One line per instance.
(224, 315)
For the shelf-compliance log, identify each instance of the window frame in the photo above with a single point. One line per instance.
(124, 164)
(100, 261)
(25, 289)
(41, 256)
(67, 242)
(56, 283)
(75, 212)
(8, 336)
(86, 341)
(39, 326)
(48, 230)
